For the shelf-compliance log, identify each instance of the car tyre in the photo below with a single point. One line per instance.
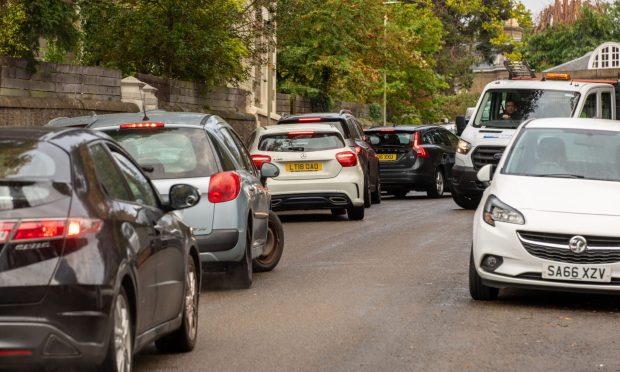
(367, 194)
(273, 247)
(436, 190)
(240, 273)
(184, 338)
(119, 357)
(339, 211)
(375, 197)
(477, 290)
(355, 213)
(464, 201)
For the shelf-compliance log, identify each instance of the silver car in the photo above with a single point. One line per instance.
(235, 230)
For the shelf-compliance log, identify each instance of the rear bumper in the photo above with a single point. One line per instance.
(218, 240)
(309, 201)
(465, 181)
(404, 178)
(350, 187)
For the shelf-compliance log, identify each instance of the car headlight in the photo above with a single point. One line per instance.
(497, 211)
(463, 147)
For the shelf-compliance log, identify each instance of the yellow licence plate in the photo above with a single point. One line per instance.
(304, 167)
(390, 157)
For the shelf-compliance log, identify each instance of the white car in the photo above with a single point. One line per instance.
(551, 215)
(317, 169)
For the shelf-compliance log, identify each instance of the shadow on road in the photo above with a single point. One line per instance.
(583, 302)
(310, 217)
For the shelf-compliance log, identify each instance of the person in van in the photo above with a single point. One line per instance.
(510, 111)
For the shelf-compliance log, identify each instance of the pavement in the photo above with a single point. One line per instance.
(391, 293)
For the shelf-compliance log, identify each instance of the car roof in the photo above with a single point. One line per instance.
(405, 128)
(108, 120)
(66, 138)
(575, 123)
(567, 85)
(322, 115)
(283, 128)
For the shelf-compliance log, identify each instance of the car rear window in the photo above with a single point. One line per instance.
(391, 138)
(340, 125)
(300, 141)
(170, 152)
(32, 173)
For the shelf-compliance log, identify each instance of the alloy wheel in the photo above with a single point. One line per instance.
(122, 335)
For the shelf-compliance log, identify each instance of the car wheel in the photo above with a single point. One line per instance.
(339, 211)
(240, 273)
(184, 338)
(120, 349)
(367, 196)
(355, 213)
(399, 194)
(464, 201)
(477, 290)
(436, 190)
(376, 195)
(273, 247)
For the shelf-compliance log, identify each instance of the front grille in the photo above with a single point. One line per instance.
(484, 155)
(554, 247)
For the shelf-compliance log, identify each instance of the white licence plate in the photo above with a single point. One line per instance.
(580, 273)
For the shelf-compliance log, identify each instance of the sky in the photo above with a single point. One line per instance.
(536, 6)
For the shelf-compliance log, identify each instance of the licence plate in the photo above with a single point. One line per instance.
(581, 273)
(389, 157)
(304, 167)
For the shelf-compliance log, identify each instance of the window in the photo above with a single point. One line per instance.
(606, 55)
(108, 175)
(237, 149)
(139, 185)
(245, 154)
(606, 105)
(225, 159)
(306, 142)
(589, 107)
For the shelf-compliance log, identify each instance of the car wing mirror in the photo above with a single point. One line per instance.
(183, 196)
(461, 123)
(485, 174)
(268, 170)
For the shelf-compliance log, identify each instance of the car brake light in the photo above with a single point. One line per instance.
(296, 134)
(224, 186)
(346, 159)
(308, 120)
(141, 125)
(387, 130)
(421, 151)
(52, 229)
(259, 160)
(80, 226)
(15, 352)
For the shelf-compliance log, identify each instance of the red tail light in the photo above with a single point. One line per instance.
(421, 151)
(30, 230)
(15, 352)
(308, 120)
(224, 186)
(297, 134)
(346, 159)
(141, 125)
(48, 229)
(6, 228)
(259, 160)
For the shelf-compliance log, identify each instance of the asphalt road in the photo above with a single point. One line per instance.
(390, 293)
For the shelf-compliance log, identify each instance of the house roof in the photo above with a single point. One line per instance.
(577, 64)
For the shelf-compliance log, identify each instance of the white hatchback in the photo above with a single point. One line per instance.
(317, 169)
(551, 215)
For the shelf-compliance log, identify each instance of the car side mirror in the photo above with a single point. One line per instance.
(183, 196)
(485, 174)
(461, 123)
(268, 170)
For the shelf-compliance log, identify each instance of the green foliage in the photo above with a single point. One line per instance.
(24, 22)
(197, 40)
(563, 43)
(456, 105)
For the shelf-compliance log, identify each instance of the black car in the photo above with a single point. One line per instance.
(93, 266)
(414, 158)
(354, 137)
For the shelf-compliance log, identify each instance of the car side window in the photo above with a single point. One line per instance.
(250, 140)
(238, 149)
(589, 107)
(454, 140)
(606, 105)
(440, 135)
(245, 154)
(225, 159)
(139, 185)
(108, 175)
(427, 138)
(353, 129)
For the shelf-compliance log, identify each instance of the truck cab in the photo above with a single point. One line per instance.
(505, 104)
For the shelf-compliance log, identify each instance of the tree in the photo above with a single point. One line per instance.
(197, 40)
(24, 22)
(564, 42)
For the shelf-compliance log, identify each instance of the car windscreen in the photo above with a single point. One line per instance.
(32, 173)
(507, 108)
(169, 152)
(300, 141)
(565, 153)
(390, 138)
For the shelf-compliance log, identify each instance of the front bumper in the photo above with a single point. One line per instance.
(465, 181)
(521, 269)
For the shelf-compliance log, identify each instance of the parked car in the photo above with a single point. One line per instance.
(414, 158)
(550, 217)
(93, 265)
(353, 135)
(317, 169)
(236, 232)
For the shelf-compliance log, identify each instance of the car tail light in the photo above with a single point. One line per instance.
(346, 159)
(141, 125)
(308, 120)
(421, 151)
(358, 149)
(387, 130)
(15, 352)
(297, 134)
(224, 186)
(53, 229)
(6, 228)
(259, 160)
